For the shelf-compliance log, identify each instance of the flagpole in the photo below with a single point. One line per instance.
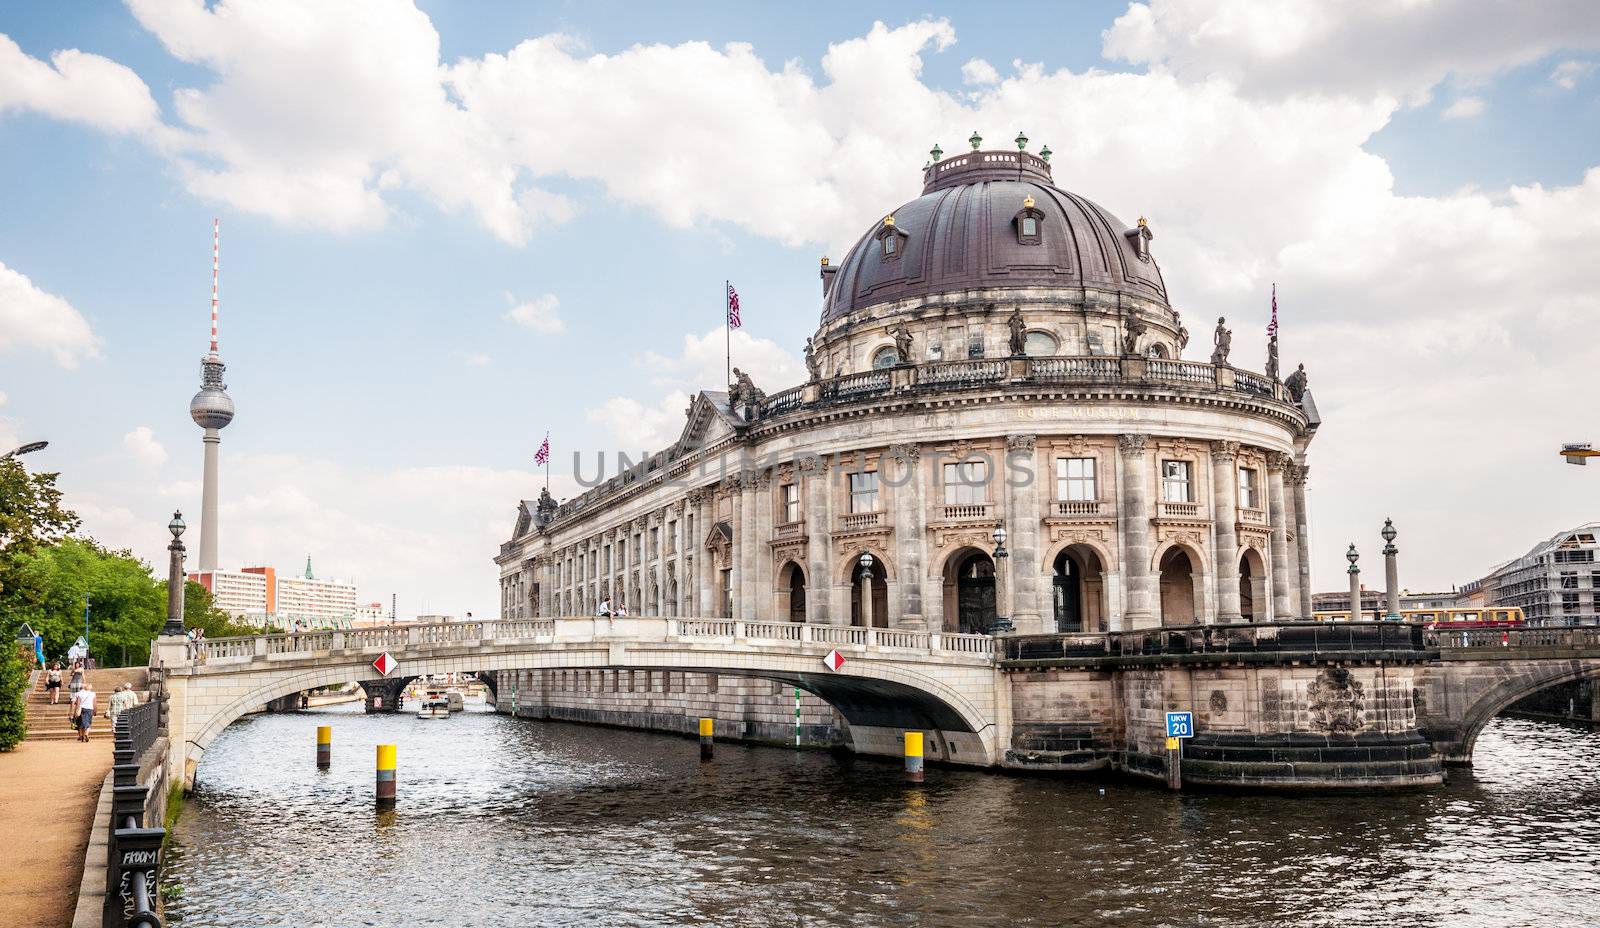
(727, 335)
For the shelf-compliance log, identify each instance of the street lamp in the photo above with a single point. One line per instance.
(1002, 623)
(866, 589)
(175, 579)
(28, 448)
(1391, 573)
(1355, 582)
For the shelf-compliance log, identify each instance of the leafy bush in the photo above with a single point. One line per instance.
(13, 689)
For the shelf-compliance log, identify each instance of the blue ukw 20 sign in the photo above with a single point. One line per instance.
(1180, 724)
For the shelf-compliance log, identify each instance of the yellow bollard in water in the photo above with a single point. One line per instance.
(324, 747)
(707, 727)
(386, 774)
(913, 757)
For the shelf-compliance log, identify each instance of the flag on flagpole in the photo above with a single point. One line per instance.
(1272, 327)
(542, 456)
(733, 307)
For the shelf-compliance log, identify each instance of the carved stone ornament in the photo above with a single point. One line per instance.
(1300, 474)
(1132, 444)
(1020, 442)
(906, 453)
(1277, 460)
(1224, 452)
(812, 465)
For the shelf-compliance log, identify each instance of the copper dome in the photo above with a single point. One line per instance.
(960, 235)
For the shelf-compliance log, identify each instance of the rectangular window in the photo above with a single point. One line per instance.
(966, 483)
(1075, 480)
(1175, 482)
(1249, 489)
(864, 491)
(1569, 580)
(655, 541)
(975, 341)
(1569, 602)
(1030, 226)
(791, 502)
(672, 537)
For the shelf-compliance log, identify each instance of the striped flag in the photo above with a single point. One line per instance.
(1272, 327)
(733, 307)
(542, 456)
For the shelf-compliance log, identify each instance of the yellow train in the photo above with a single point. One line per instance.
(1495, 617)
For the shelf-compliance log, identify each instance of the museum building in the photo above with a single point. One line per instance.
(999, 426)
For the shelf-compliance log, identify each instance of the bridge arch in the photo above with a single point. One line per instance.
(880, 697)
(1457, 745)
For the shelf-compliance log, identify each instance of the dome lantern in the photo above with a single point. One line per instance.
(936, 152)
(1045, 153)
(1022, 140)
(975, 140)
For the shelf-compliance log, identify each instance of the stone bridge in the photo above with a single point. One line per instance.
(891, 681)
(1318, 704)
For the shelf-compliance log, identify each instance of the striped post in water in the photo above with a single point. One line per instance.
(707, 726)
(324, 747)
(386, 784)
(913, 757)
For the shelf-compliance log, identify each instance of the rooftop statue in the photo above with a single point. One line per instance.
(1019, 333)
(902, 343)
(1296, 383)
(743, 392)
(1272, 358)
(1130, 338)
(1223, 340)
(813, 363)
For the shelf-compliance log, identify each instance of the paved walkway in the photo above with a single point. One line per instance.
(48, 793)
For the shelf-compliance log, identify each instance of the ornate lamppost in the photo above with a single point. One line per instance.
(1002, 623)
(1391, 573)
(866, 589)
(175, 578)
(1355, 582)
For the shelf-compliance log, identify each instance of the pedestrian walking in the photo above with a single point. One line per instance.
(85, 711)
(75, 680)
(121, 701)
(52, 682)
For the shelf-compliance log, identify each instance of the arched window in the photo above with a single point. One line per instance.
(1158, 350)
(1039, 345)
(886, 356)
(1029, 224)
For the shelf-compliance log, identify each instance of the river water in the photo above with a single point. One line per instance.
(510, 822)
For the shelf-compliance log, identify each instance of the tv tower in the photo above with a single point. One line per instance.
(212, 410)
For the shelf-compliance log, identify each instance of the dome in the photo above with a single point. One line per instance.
(961, 234)
(211, 408)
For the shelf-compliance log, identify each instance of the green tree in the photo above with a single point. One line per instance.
(31, 517)
(13, 715)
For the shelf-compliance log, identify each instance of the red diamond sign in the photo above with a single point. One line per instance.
(385, 663)
(834, 660)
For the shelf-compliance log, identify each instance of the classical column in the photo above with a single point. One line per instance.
(1302, 538)
(1137, 577)
(1224, 499)
(705, 572)
(736, 492)
(909, 514)
(1276, 463)
(1291, 544)
(762, 594)
(1022, 518)
(749, 540)
(819, 544)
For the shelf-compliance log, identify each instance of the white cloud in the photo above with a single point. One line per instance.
(701, 365)
(1400, 50)
(1464, 108)
(539, 314)
(77, 87)
(1568, 73)
(142, 445)
(979, 72)
(33, 319)
(474, 358)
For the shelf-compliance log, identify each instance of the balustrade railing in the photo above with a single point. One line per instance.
(1179, 510)
(1181, 371)
(1581, 637)
(863, 384)
(956, 373)
(783, 401)
(1085, 368)
(1290, 637)
(854, 520)
(965, 512)
(1079, 507)
(1252, 383)
(1252, 517)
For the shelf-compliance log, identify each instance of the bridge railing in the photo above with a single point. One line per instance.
(1581, 637)
(223, 651)
(1299, 637)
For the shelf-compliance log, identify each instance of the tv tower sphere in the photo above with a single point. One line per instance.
(212, 407)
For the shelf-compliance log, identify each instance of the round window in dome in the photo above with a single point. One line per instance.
(886, 357)
(1039, 345)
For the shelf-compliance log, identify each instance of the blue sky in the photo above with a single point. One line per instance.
(1419, 212)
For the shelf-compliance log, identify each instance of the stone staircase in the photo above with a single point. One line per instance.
(53, 723)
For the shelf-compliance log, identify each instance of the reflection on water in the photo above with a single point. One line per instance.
(505, 822)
